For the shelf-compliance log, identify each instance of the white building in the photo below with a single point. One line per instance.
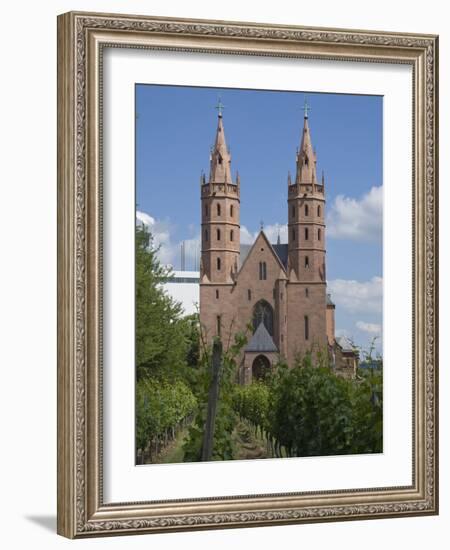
(184, 287)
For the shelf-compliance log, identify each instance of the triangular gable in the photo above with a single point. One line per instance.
(274, 254)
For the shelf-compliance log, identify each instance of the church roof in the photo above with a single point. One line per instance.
(281, 251)
(244, 250)
(344, 343)
(261, 341)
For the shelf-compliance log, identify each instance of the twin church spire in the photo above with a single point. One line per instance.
(306, 157)
(221, 209)
(220, 158)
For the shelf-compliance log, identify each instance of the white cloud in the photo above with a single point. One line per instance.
(357, 219)
(144, 218)
(271, 231)
(356, 296)
(342, 332)
(370, 328)
(170, 252)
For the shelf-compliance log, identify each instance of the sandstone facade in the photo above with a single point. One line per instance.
(275, 292)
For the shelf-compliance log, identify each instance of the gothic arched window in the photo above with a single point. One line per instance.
(231, 235)
(319, 234)
(219, 264)
(319, 211)
(306, 233)
(263, 313)
(218, 234)
(306, 327)
(218, 209)
(306, 210)
(231, 210)
(306, 261)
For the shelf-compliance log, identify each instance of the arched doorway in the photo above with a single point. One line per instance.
(260, 367)
(263, 313)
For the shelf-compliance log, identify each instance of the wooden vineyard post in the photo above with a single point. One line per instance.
(208, 437)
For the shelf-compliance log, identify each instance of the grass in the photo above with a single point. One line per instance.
(173, 453)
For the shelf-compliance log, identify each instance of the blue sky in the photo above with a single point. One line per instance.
(175, 128)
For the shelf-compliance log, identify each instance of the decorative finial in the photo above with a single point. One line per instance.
(306, 107)
(220, 106)
(261, 224)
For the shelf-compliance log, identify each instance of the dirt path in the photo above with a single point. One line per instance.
(173, 452)
(248, 446)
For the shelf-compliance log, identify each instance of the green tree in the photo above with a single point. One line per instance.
(161, 334)
(309, 411)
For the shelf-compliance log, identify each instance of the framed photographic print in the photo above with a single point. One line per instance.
(247, 283)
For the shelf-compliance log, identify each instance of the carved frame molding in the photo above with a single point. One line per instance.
(81, 39)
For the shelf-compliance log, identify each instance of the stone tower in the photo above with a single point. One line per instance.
(220, 215)
(306, 210)
(220, 252)
(306, 251)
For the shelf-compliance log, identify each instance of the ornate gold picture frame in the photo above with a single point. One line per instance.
(82, 41)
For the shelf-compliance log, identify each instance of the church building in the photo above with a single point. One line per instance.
(279, 290)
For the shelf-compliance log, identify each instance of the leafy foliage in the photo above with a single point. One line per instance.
(160, 407)
(162, 335)
(225, 421)
(165, 351)
(309, 411)
(302, 411)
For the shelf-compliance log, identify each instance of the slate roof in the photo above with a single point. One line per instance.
(281, 251)
(244, 250)
(261, 341)
(345, 343)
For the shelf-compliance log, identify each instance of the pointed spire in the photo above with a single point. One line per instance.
(306, 156)
(220, 171)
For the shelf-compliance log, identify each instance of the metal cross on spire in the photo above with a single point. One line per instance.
(261, 224)
(306, 107)
(220, 106)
